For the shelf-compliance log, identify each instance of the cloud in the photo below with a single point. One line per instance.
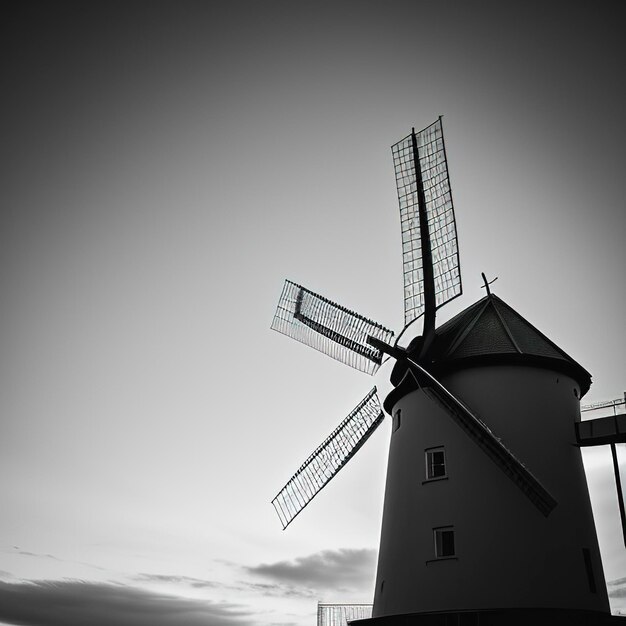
(39, 556)
(617, 588)
(264, 589)
(329, 569)
(196, 583)
(46, 556)
(270, 589)
(75, 603)
(278, 590)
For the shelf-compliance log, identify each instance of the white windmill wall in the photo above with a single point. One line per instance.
(508, 555)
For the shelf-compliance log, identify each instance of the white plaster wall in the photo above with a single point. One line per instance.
(509, 554)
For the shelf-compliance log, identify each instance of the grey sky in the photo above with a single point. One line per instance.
(167, 165)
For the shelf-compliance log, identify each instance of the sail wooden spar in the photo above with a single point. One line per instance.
(421, 171)
(329, 327)
(328, 458)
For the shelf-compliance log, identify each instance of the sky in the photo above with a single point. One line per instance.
(166, 166)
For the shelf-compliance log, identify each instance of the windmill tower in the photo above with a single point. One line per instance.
(486, 517)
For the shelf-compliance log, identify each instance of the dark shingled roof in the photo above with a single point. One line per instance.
(491, 326)
(490, 332)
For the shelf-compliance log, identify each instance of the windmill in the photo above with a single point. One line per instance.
(456, 437)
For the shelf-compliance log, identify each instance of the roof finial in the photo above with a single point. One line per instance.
(487, 283)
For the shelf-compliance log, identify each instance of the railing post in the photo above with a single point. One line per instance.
(620, 495)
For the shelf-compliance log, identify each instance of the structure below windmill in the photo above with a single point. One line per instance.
(487, 518)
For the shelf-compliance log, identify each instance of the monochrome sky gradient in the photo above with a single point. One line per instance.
(166, 166)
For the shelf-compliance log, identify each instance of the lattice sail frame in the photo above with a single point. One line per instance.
(328, 327)
(440, 214)
(328, 458)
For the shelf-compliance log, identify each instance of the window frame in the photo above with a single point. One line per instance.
(428, 453)
(438, 544)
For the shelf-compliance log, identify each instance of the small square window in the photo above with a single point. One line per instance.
(444, 542)
(435, 463)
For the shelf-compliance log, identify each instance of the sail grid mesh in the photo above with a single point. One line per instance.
(440, 215)
(321, 466)
(329, 328)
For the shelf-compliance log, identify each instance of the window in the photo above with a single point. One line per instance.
(589, 568)
(444, 542)
(435, 463)
(396, 419)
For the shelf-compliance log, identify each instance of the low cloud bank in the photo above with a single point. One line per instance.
(76, 603)
(330, 569)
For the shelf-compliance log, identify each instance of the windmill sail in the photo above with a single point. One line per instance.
(424, 187)
(329, 328)
(321, 466)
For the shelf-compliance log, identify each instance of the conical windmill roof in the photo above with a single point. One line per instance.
(490, 332)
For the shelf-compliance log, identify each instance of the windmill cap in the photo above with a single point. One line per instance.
(490, 332)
